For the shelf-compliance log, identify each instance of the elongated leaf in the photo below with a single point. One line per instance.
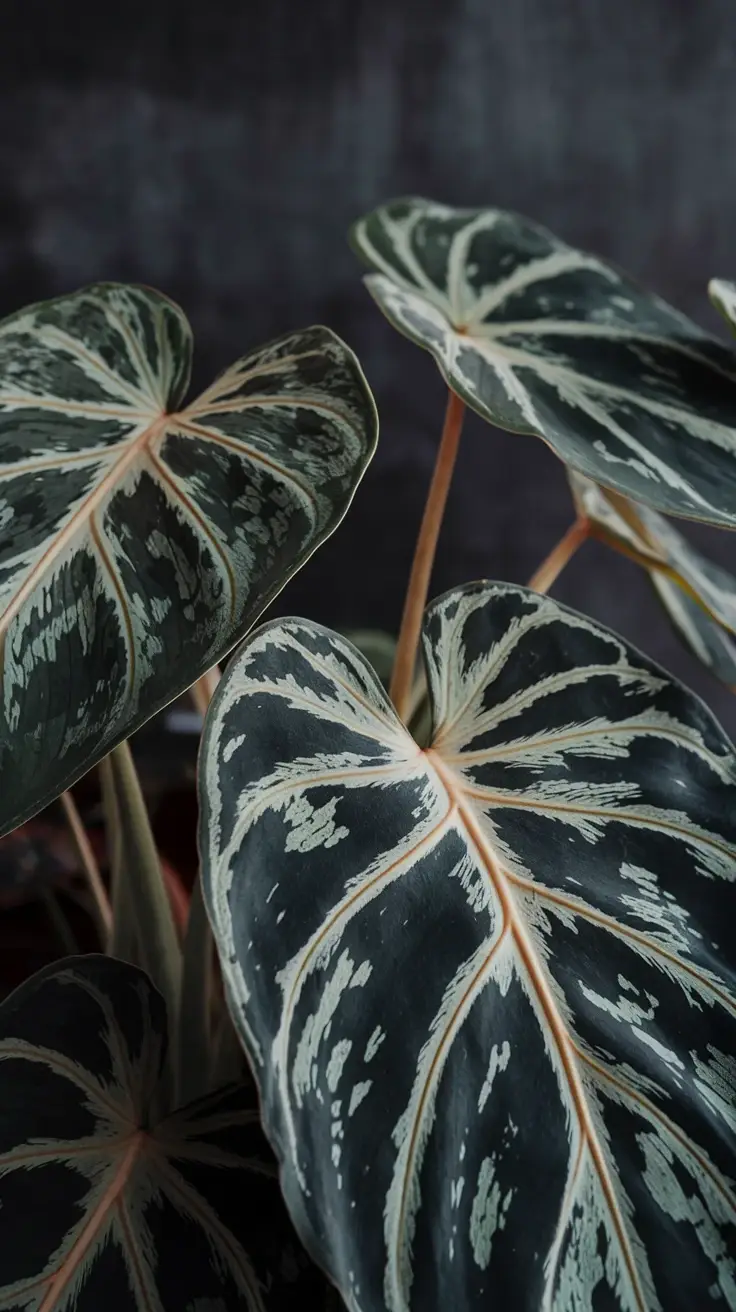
(540, 338)
(139, 540)
(100, 1208)
(488, 988)
(698, 595)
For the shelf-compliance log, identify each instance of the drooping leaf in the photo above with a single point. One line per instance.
(489, 988)
(711, 644)
(138, 539)
(698, 595)
(540, 338)
(102, 1207)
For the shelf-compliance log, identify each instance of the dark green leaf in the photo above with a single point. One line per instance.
(140, 540)
(99, 1207)
(540, 338)
(489, 989)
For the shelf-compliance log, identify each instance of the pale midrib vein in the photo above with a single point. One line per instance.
(139, 1269)
(621, 930)
(75, 347)
(235, 377)
(80, 517)
(433, 1074)
(68, 1070)
(563, 1042)
(99, 538)
(521, 701)
(654, 1112)
(186, 1196)
(265, 799)
(195, 516)
(347, 908)
(514, 801)
(90, 1231)
(581, 736)
(298, 699)
(583, 329)
(178, 424)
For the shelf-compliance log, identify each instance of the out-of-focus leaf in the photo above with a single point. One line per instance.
(698, 595)
(101, 1208)
(540, 338)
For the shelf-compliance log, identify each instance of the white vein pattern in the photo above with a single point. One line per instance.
(513, 944)
(540, 338)
(101, 1204)
(139, 539)
(698, 595)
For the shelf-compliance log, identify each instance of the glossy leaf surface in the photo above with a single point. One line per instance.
(540, 338)
(101, 1207)
(139, 539)
(698, 595)
(488, 988)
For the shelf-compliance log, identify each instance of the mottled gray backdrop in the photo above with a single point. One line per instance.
(219, 151)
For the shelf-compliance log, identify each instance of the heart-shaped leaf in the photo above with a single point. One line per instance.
(698, 595)
(489, 987)
(101, 1206)
(138, 540)
(540, 338)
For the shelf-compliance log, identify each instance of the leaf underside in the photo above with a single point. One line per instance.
(98, 1207)
(698, 595)
(540, 338)
(138, 539)
(488, 988)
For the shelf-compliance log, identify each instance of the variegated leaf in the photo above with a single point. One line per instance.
(723, 296)
(102, 1206)
(698, 595)
(139, 539)
(540, 338)
(489, 987)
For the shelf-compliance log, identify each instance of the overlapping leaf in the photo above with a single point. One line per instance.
(698, 595)
(541, 338)
(139, 540)
(490, 987)
(100, 1205)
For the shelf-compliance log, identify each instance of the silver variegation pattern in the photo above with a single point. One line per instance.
(140, 538)
(538, 337)
(723, 296)
(488, 988)
(102, 1204)
(698, 595)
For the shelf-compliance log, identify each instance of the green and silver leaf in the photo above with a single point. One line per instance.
(489, 988)
(101, 1207)
(698, 595)
(140, 539)
(723, 296)
(540, 338)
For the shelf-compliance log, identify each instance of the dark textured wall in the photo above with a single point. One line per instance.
(219, 152)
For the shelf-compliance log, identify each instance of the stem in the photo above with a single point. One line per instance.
(122, 940)
(421, 570)
(193, 1055)
(103, 910)
(203, 690)
(144, 883)
(553, 564)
